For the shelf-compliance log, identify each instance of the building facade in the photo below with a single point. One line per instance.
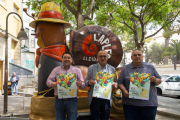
(28, 47)
(14, 25)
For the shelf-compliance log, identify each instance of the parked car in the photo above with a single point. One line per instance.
(170, 85)
(9, 88)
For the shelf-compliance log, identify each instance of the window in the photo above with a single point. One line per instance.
(32, 38)
(164, 77)
(13, 47)
(13, 44)
(2, 2)
(174, 79)
(27, 41)
(15, 9)
(178, 78)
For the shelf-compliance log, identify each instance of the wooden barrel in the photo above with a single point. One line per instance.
(89, 40)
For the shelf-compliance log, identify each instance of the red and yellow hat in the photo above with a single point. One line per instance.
(50, 12)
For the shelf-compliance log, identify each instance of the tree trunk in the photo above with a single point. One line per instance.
(167, 42)
(165, 59)
(140, 47)
(178, 61)
(80, 21)
(136, 39)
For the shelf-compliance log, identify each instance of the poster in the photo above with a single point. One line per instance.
(139, 86)
(66, 85)
(103, 86)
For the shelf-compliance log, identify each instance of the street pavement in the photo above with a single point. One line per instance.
(16, 105)
(168, 109)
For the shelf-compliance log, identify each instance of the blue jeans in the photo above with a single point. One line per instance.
(139, 112)
(14, 84)
(68, 106)
(100, 109)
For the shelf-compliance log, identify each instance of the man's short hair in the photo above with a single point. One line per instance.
(135, 50)
(67, 53)
(102, 50)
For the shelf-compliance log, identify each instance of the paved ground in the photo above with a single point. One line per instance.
(161, 117)
(169, 107)
(15, 104)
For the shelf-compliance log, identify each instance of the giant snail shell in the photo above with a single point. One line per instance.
(86, 42)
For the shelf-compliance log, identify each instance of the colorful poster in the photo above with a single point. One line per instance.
(139, 86)
(66, 85)
(103, 86)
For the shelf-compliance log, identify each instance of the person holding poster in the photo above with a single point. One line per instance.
(100, 78)
(65, 79)
(138, 82)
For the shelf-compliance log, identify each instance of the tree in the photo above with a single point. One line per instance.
(129, 43)
(155, 53)
(171, 29)
(170, 51)
(138, 16)
(79, 13)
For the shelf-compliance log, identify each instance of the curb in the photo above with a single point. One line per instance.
(167, 114)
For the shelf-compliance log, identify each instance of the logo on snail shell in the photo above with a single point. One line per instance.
(92, 47)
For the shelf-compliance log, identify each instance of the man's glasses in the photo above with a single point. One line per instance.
(102, 56)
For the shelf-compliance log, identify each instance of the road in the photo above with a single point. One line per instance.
(169, 108)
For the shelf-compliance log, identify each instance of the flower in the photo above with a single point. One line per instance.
(62, 79)
(69, 83)
(142, 82)
(106, 82)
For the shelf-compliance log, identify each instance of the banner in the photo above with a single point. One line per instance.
(103, 86)
(139, 85)
(66, 85)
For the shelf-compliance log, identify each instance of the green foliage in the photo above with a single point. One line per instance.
(155, 52)
(170, 51)
(133, 17)
(130, 43)
(67, 15)
(168, 34)
(136, 17)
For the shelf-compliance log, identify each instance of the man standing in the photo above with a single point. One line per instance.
(137, 109)
(100, 108)
(14, 84)
(65, 105)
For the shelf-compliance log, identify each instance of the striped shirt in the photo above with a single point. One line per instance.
(124, 79)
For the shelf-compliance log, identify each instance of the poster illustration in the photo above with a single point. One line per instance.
(103, 86)
(139, 85)
(66, 85)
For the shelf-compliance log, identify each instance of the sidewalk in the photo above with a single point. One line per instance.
(169, 107)
(16, 105)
